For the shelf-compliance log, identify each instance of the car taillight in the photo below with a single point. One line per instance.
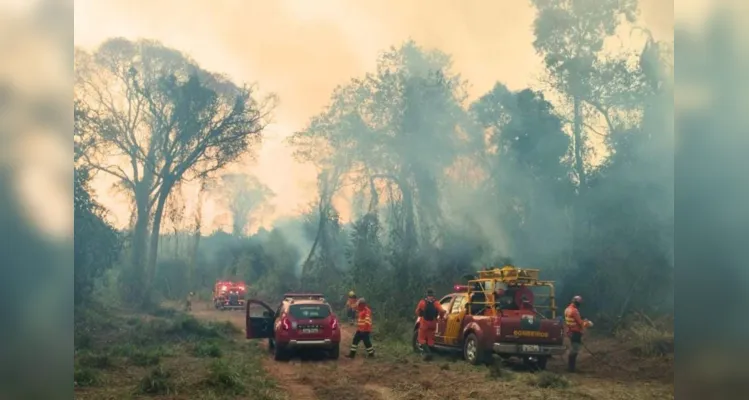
(334, 323)
(285, 324)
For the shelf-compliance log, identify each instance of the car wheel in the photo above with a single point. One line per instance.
(471, 350)
(335, 352)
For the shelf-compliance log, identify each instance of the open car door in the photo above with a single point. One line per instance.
(258, 326)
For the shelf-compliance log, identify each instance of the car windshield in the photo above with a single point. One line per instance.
(309, 311)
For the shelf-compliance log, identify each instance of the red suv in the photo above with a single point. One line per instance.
(301, 321)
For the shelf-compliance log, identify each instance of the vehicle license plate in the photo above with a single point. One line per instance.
(309, 330)
(530, 348)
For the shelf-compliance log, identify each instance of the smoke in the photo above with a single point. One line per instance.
(36, 200)
(296, 231)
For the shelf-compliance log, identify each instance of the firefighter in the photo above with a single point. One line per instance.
(188, 302)
(428, 309)
(526, 304)
(575, 327)
(351, 305)
(363, 329)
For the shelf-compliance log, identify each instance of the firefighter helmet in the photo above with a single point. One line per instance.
(577, 299)
(351, 294)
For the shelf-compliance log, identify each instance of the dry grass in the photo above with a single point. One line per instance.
(407, 377)
(399, 374)
(649, 341)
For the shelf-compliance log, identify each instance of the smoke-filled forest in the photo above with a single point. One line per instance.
(573, 176)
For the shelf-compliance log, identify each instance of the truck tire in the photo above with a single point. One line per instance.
(335, 352)
(538, 365)
(415, 341)
(541, 363)
(472, 351)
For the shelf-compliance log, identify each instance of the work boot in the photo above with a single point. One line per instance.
(426, 352)
(351, 354)
(571, 360)
(370, 353)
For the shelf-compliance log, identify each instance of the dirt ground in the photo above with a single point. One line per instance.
(397, 373)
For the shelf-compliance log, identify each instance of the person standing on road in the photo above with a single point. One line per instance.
(363, 330)
(188, 302)
(575, 327)
(351, 305)
(428, 309)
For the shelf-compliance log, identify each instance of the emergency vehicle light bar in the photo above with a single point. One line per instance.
(460, 288)
(313, 296)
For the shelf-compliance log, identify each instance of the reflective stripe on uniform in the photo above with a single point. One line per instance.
(364, 321)
(370, 350)
(569, 317)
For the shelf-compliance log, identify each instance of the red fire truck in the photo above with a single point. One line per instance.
(229, 295)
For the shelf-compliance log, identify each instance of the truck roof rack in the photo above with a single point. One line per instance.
(510, 274)
(303, 296)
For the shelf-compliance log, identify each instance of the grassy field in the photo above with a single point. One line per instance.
(121, 355)
(168, 354)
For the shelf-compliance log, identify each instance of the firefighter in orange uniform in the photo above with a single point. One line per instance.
(429, 309)
(363, 329)
(351, 304)
(575, 326)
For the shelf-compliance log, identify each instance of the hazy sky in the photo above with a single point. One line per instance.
(302, 49)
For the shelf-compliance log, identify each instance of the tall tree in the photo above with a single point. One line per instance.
(530, 175)
(157, 113)
(243, 194)
(97, 244)
(570, 35)
(395, 131)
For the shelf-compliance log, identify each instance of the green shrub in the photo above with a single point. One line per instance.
(91, 360)
(145, 358)
(83, 377)
(187, 326)
(207, 349)
(548, 380)
(82, 341)
(225, 377)
(158, 381)
(648, 341)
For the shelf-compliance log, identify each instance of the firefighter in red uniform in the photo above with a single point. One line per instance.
(429, 309)
(351, 305)
(575, 326)
(363, 329)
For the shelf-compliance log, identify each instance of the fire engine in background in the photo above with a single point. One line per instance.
(496, 313)
(229, 295)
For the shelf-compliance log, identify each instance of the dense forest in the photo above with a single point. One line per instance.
(574, 176)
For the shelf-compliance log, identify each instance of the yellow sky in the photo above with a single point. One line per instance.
(302, 49)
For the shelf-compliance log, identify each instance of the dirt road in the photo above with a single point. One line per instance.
(310, 378)
(405, 376)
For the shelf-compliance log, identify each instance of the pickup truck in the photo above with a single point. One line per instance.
(480, 328)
